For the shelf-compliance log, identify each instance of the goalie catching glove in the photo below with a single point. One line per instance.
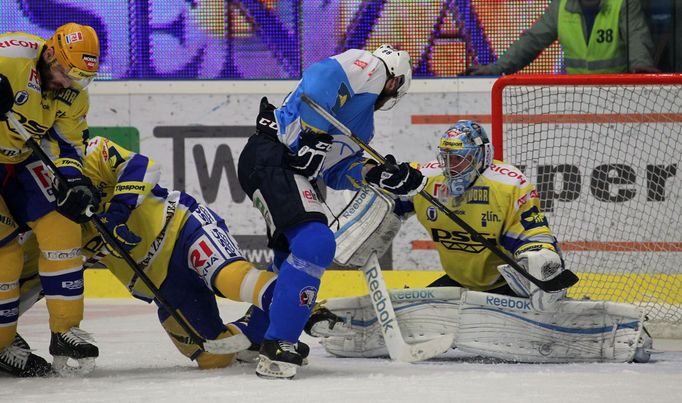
(114, 219)
(399, 179)
(541, 263)
(76, 197)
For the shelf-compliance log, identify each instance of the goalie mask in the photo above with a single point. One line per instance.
(398, 64)
(464, 153)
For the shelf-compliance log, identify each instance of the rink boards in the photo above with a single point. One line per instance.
(343, 283)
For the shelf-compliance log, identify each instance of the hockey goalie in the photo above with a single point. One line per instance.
(488, 308)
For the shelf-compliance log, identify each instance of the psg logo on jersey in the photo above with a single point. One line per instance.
(431, 213)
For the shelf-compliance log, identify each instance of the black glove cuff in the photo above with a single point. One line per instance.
(266, 122)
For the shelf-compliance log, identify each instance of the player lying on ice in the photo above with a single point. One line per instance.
(183, 246)
(490, 309)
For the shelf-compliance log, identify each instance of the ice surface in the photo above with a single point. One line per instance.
(138, 363)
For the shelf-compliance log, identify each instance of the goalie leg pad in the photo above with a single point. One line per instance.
(422, 314)
(508, 328)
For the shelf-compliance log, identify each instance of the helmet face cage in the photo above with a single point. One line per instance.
(398, 64)
(464, 153)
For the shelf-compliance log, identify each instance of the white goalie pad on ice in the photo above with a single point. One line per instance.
(422, 314)
(367, 224)
(507, 328)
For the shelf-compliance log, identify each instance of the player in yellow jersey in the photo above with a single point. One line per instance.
(489, 308)
(493, 197)
(42, 85)
(183, 247)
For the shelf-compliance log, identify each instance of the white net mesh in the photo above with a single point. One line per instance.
(606, 161)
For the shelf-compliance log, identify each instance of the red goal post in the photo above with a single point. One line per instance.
(605, 152)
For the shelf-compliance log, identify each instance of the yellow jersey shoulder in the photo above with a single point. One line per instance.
(21, 45)
(431, 168)
(502, 173)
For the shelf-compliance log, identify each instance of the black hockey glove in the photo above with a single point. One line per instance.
(6, 97)
(312, 150)
(74, 197)
(397, 179)
(266, 123)
(114, 219)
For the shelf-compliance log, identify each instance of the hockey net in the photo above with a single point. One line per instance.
(605, 153)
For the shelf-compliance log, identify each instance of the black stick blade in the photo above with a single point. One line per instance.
(564, 280)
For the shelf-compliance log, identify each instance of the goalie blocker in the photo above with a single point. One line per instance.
(366, 225)
(489, 325)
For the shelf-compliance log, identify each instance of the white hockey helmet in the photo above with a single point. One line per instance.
(398, 64)
(464, 152)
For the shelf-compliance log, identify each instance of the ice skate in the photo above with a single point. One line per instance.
(18, 360)
(278, 359)
(75, 344)
(252, 353)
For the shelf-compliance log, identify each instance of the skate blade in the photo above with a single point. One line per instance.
(275, 369)
(251, 357)
(62, 367)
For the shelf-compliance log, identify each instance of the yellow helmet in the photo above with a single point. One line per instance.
(76, 48)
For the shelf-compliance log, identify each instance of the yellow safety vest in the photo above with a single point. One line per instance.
(605, 53)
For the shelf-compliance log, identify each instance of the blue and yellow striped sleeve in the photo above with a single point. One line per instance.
(136, 175)
(527, 227)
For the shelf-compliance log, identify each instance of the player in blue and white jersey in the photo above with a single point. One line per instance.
(292, 147)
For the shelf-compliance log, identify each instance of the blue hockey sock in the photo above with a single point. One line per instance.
(312, 249)
(292, 303)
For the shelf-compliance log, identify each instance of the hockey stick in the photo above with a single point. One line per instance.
(220, 346)
(398, 349)
(563, 280)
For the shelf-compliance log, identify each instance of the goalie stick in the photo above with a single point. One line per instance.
(563, 280)
(219, 346)
(398, 349)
